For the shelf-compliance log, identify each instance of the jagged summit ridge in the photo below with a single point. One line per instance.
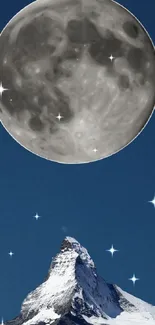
(71, 243)
(74, 294)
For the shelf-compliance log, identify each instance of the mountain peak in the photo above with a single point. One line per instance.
(74, 294)
(70, 243)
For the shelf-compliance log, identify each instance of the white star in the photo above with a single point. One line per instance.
(2, 323)
(153, 201)
(95, 150)
(11, 253)
(2, 89)
(111, 57)
(36, 216)
(134, 279)
(59, 117)
(112, 250)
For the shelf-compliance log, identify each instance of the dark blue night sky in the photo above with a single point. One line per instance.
(100, 204)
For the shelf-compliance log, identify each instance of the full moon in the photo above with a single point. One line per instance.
(77, 79)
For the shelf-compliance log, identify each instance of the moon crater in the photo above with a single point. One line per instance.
(131, 29)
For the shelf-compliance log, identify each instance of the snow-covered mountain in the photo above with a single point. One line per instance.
(74, 294)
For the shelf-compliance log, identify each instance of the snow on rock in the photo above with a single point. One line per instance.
(57, 290)
(139, 305)
(45, 315)
(123, 319)
(72, 243)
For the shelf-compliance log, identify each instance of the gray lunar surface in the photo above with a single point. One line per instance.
(80, 79)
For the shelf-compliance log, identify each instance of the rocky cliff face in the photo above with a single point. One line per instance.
(73, 293)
